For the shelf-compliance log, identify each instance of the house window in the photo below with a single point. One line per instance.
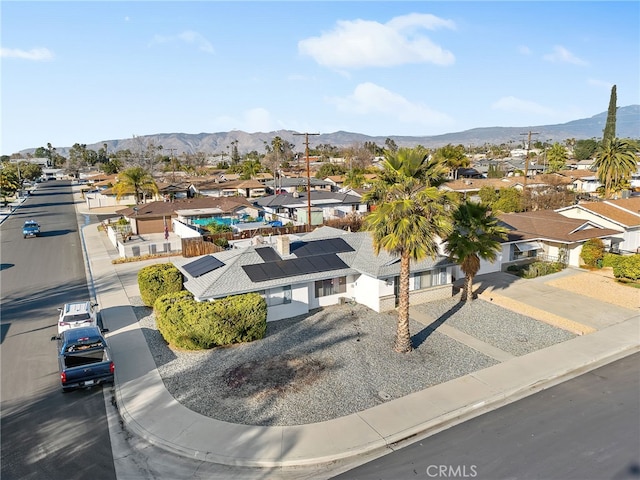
(430, 278)
(277, 296)
(525, 250)
(331, 286)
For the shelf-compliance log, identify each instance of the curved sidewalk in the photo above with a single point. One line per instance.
(148, 410)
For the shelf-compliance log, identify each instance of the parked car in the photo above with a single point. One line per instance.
(31, 228)
(84, 358)
(78, 314)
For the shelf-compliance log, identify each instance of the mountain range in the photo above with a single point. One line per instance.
(627, 126)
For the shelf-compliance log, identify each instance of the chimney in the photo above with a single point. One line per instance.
(282, 245)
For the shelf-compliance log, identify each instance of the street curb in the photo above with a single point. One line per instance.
(502, 399)
(395, 441)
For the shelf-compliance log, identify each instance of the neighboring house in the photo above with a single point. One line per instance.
(548, 235)
(173, 190)
(295, 184)
(468, 188)
(582, 181)
(622, 214)
(293, 207)
(326, 267)
(214, 188)
(152, 217)
(584, 164)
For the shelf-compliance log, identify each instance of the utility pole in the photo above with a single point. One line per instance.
(173, 164)
(306, 144)
(526, 167)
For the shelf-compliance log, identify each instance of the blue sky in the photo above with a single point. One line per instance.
(85, 72)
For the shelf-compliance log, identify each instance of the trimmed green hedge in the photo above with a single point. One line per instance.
(627, 267)
(536, 269)
(157, 280)
(185, 323)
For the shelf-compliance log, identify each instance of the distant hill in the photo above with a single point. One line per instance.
(627, 126)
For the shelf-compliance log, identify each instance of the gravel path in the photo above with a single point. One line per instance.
(335, 361)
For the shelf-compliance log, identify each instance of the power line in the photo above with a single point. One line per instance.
(306, 144)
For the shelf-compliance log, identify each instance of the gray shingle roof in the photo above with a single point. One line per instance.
(231, 279)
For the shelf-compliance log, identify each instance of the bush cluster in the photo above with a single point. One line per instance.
(627, 267)
(157, 280)
(190, 325)
(539, 269)
(592, 252)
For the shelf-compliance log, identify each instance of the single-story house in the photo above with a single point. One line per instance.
(291, 207)
(233, 188)
(294, 184)
(325, 267)
(548, 235)
(152, 217)
(621, 214)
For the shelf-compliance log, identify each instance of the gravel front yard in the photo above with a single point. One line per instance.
(336, 361)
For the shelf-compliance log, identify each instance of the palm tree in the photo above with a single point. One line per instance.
(615, 162)
(476, 235)
(557, 157)
(411, 214)
(135, 179)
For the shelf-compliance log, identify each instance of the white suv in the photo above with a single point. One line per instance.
(78, 314)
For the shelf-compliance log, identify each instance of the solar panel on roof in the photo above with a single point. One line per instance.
(320, 247)
(202, 265)
(261, 272)
(268, 254)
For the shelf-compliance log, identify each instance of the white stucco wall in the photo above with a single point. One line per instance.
(298, 305)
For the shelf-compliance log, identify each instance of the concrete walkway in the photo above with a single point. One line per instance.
(149, 411)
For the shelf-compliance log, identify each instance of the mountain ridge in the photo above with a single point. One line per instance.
(219, 143)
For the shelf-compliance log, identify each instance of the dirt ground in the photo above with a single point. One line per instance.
(600, 284)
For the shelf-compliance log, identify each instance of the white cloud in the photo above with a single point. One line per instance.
(524, 50)
(517, 105)
(363, 43)
(189, 37)
(371, 99)
(562, 55)
(35, 54)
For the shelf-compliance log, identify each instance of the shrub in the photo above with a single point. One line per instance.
(592, 252)
(538, 269)
(611, 259)
(628, 267)
(222, 242)
(185, 323)
(157, 280)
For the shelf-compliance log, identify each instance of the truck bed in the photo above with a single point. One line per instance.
(84, 358)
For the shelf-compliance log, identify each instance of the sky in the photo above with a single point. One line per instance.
(86, 72)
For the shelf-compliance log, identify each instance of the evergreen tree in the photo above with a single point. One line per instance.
(610, 126)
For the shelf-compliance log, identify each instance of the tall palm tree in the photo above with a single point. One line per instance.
(476, 235)
(411, 214)
(135, 179)
(615, 162)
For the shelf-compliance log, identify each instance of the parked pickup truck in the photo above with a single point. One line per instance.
(30, 229)
(84, 358)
